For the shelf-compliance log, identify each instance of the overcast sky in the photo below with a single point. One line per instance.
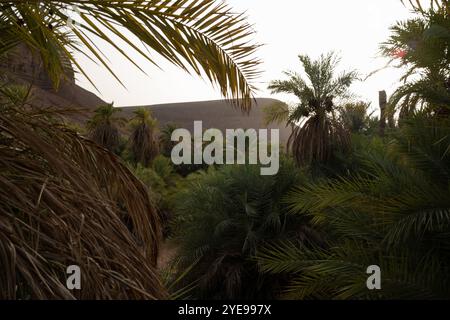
(353, 28)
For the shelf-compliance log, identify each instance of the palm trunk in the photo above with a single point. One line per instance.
(383, 103)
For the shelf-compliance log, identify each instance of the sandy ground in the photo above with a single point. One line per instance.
(167, 252)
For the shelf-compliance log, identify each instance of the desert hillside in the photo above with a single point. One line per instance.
(218, 114)
(22, 67)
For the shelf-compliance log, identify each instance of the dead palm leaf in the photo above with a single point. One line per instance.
(82, 207)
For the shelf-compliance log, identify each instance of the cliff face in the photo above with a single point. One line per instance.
(21, 66)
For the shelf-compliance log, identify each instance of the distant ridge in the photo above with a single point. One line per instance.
(218, 114)
(23, 68)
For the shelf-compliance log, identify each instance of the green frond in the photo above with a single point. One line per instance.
(420, 44)
(277, 112)
(228, 213)
(203, 37)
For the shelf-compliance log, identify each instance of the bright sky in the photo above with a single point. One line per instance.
(353, 28)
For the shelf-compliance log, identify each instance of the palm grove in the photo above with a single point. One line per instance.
(348, 195)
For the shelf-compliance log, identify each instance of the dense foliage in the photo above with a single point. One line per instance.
(228, 214)
(346, 197)
(66, 199)
(386, 202)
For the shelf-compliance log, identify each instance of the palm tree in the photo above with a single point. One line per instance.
(421, 46)
(393, 212)
(355, 117)
(200, 36)
(316, 130)
(97, 214)
(66, 201)
(165, 138)
(104, 126)
(226, 215)
(144, 144)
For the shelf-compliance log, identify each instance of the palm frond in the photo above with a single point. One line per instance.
(83, 207)
(277, 112)
(316, 133)
(201, 36)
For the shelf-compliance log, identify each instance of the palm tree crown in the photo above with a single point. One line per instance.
(144, 146)
(312, 140)
(421, 45)
(104, 126)
(200, 36)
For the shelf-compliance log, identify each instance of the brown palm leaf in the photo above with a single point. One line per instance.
(82, 208)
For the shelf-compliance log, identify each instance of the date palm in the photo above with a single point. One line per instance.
(104, 127)
(315, 128)
(393, 212)
(200, 36)
(66, 201)
(420, 45)
(76, 203)
(144, 145)
(165, 138)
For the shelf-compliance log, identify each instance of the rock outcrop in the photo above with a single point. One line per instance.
(21, 66)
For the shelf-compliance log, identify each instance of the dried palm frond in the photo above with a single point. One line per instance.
(82, 208)
(317, 139)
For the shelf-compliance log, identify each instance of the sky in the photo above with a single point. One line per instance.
(286, 28)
